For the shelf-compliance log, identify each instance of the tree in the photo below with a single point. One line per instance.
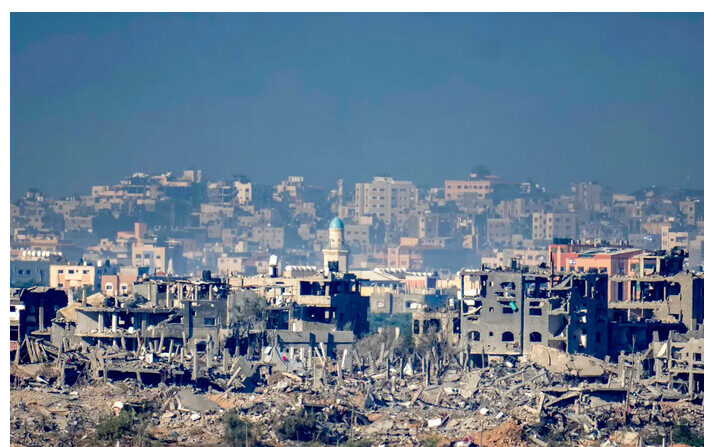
(247, 311)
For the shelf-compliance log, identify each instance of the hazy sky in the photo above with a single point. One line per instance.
(616, 98)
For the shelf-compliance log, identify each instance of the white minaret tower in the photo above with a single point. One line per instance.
(335, 257)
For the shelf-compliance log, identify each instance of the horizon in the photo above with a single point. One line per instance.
(616, 98)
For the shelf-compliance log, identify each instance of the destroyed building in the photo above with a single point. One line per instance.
(677, 298)
(653, 302)
(32, 310)
(505, 312)
(315, 307)
(678, 360)
(177, 312)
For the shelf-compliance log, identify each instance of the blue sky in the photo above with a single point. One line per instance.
(616, 98)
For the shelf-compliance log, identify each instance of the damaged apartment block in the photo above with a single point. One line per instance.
(311, 310)
(503, 313)
(163, 319)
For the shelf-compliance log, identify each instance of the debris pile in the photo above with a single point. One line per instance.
(392, 400)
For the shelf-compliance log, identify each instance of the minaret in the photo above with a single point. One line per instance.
(335, 257)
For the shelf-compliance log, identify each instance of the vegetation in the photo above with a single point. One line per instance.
(686, 435)
(239, 431)
(299, 428)
(356, 443)
(430, 441)
(403, 343)
(306, 427)
(111, 428)
(247, 311)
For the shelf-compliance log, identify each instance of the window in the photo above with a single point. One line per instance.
(70, 271)
(209, 321)
(535, 311)
(473, 336)
(508, 336)
(535, 337)
(455, 325)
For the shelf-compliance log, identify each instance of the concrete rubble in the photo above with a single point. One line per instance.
(384, 399)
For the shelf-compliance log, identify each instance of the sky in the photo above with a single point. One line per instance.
(558, 98)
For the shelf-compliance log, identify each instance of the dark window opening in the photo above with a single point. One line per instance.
(455, 325)
(508, 336)
(535, 337)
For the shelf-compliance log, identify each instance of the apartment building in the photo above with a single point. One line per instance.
(518, 257)
(291, 187)
(547, 226)
(505, 313)
(71, 276)
(267, 236)
(499, 231)
(243, 192)
(673, 239)
(456, 189)
(144, 255)
(385, 198)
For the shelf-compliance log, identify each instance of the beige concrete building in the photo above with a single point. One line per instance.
(524, 257)
(385, 198)
(293, 186)
(71, 276)
(144, 255)
(673, 239)
(268, 237)
(455, 189)
(243, 192)
(547, 226)
(499, 231)
(230, 265)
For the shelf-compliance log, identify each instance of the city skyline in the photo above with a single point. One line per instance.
(616, 98)
(210, 178)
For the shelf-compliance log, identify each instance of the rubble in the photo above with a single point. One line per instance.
(515, 404)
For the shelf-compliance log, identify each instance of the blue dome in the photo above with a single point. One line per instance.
(336, 223)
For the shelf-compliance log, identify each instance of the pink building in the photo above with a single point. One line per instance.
(614, 261)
